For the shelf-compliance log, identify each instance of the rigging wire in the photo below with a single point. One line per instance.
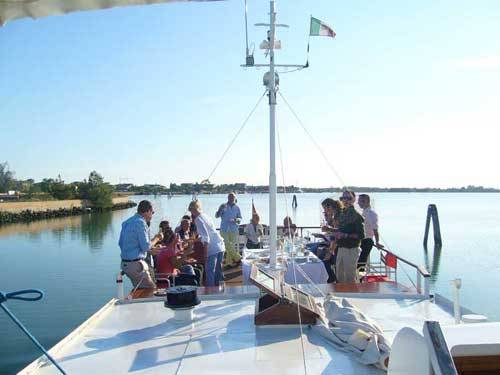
(402, 267)
(306, 276)
(291, 238)
(235, 137)
(328, 163)
(313, 140)
(287, 214)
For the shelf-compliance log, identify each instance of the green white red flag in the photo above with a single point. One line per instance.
(319, 28)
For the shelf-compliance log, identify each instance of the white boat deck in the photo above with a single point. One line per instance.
(143, 338)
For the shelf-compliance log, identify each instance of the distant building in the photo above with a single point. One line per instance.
(124, 187)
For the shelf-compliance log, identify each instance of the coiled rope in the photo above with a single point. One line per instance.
(24, 295)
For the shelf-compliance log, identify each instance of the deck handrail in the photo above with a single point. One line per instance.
(421, 271)
(441, 359)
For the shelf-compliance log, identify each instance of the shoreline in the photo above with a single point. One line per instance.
(25, 212)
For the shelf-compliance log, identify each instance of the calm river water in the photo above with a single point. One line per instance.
(75, 260)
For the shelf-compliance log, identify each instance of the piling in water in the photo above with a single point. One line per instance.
(432, 214)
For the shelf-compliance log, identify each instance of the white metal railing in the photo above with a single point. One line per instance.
(422, 276)
(379, 267)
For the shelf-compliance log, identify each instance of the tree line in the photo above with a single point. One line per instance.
(93, 189)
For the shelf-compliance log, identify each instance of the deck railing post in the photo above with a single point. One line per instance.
(419, 282)
(427, 292)
(119, 285)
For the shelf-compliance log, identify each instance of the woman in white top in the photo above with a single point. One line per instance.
(213, 243)
(254, 232)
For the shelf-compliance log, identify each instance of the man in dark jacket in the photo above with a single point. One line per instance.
(349, 235)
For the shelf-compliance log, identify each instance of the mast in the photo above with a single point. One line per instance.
(271, 81)
(273, 232)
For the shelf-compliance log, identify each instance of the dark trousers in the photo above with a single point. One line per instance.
(330, 268)
(366, 247)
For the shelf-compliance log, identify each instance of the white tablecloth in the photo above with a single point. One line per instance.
(314, 270)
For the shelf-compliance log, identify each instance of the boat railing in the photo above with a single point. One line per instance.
(383, 267)
(422, 275)
(440, 356)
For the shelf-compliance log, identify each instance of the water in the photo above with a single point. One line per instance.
(75, 260)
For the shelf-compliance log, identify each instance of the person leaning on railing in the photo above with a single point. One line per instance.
(371, 229)
(135, 244)
(348, 237)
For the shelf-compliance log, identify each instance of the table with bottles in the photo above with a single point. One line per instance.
(289, 253)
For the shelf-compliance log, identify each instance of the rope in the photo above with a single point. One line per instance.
(38, 295)
(234, 138)
(313, 140)
(293, 244)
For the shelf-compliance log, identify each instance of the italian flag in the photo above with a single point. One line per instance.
(319, 28)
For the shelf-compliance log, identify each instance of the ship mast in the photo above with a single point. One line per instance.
(273, 232)
(271, 81)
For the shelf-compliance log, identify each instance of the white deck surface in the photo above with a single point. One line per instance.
(142, 338)
(394, 314)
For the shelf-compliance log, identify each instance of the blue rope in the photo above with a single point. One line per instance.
(35, 296)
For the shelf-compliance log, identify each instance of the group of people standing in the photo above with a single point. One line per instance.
(349, 235)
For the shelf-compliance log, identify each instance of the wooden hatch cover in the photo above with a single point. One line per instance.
(279, 305)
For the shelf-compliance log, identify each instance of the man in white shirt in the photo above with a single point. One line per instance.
(213, 243)
(371, 228)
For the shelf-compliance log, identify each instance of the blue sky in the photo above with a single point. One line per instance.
(406, 95)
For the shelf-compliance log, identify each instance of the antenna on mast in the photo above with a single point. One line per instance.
(248, 57)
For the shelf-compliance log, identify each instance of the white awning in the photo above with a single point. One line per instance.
(15, 9)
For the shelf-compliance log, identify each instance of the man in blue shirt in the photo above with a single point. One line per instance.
(230, 215)
(135, 245)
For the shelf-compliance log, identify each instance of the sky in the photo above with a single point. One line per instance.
(406, 95)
